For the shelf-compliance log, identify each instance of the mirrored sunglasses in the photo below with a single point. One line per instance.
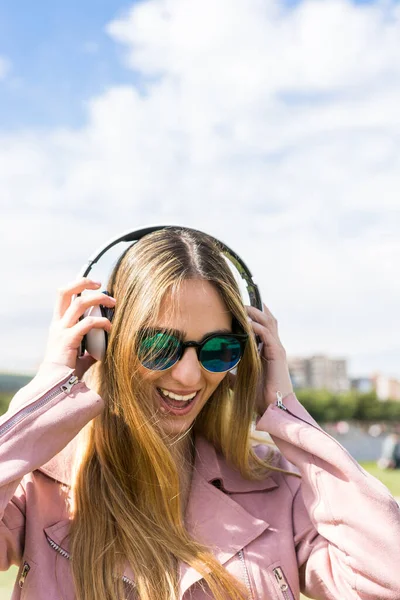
(159, 350)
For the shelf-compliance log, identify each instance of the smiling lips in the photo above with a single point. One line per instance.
(178, 397)
(177, 404)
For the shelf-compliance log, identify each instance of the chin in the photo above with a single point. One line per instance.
(172, 430)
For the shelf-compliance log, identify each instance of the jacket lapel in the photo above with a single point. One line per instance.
(212, 517)
(58, 538)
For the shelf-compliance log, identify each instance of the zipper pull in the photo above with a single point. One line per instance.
(279, 402)
(68, 385)
(280, 578)
(25, 570)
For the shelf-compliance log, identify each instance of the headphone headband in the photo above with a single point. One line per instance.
(138, 234)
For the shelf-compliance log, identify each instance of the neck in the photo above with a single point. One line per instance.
(182, 450)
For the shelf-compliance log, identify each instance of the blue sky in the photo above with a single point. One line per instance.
(61, 56)
(274, 127)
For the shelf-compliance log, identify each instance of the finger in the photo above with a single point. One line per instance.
(268, 337)
(268, 312)
(265, 318)
(81, 304)
(77, 332)
(64, 295)
(258, 313)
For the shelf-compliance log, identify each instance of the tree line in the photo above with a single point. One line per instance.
(5, 398)
(328, 407)
(324, 406)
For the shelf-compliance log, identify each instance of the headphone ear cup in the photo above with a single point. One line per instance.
(96, 340)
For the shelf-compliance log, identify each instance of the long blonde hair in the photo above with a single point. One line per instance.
(126, 499)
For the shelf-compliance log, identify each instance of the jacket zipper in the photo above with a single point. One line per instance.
(67, 555)
(282, 583)
(25, 570)
(63, 388)
(58, 548)
(246, 574)
(279, 404)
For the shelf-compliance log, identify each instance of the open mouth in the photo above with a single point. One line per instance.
(176, 406)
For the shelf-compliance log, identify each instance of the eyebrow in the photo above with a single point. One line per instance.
(181, 335)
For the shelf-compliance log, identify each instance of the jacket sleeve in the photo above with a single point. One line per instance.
(42, 419)
(347, 525)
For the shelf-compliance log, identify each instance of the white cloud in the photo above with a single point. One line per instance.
(317, 46)
(276, 129)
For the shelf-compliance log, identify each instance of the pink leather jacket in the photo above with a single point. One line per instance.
(334, 533)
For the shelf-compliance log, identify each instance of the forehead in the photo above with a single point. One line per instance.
(195, 308)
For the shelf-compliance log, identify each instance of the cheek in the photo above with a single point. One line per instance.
(147, 375)
(215, 380)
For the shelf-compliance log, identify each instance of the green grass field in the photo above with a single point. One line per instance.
(390, 478)
(6, 583)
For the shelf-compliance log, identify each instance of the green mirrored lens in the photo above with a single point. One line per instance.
(158, 351)
(220, 354)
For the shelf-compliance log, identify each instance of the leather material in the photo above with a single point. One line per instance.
(334, 533)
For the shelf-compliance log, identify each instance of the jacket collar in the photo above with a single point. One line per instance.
(212, 517)
(213, 468)
(209, 465)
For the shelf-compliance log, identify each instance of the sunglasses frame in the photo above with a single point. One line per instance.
(239, 337)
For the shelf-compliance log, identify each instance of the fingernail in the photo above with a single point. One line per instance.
(96, 282)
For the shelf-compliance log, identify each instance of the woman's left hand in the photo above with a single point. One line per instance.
(275, 376)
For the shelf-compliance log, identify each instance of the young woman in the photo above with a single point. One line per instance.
(162, 495)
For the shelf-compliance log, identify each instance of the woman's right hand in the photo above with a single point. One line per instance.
(67, 331)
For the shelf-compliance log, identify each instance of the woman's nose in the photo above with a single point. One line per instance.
(188, 370)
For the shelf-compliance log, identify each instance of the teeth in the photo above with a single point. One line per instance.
(176, 397)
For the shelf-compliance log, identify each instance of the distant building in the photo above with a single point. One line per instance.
(387, 388)
(364, 385)
(319, 372)
(298, 372)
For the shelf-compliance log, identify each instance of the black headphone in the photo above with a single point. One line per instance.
(95, 342)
